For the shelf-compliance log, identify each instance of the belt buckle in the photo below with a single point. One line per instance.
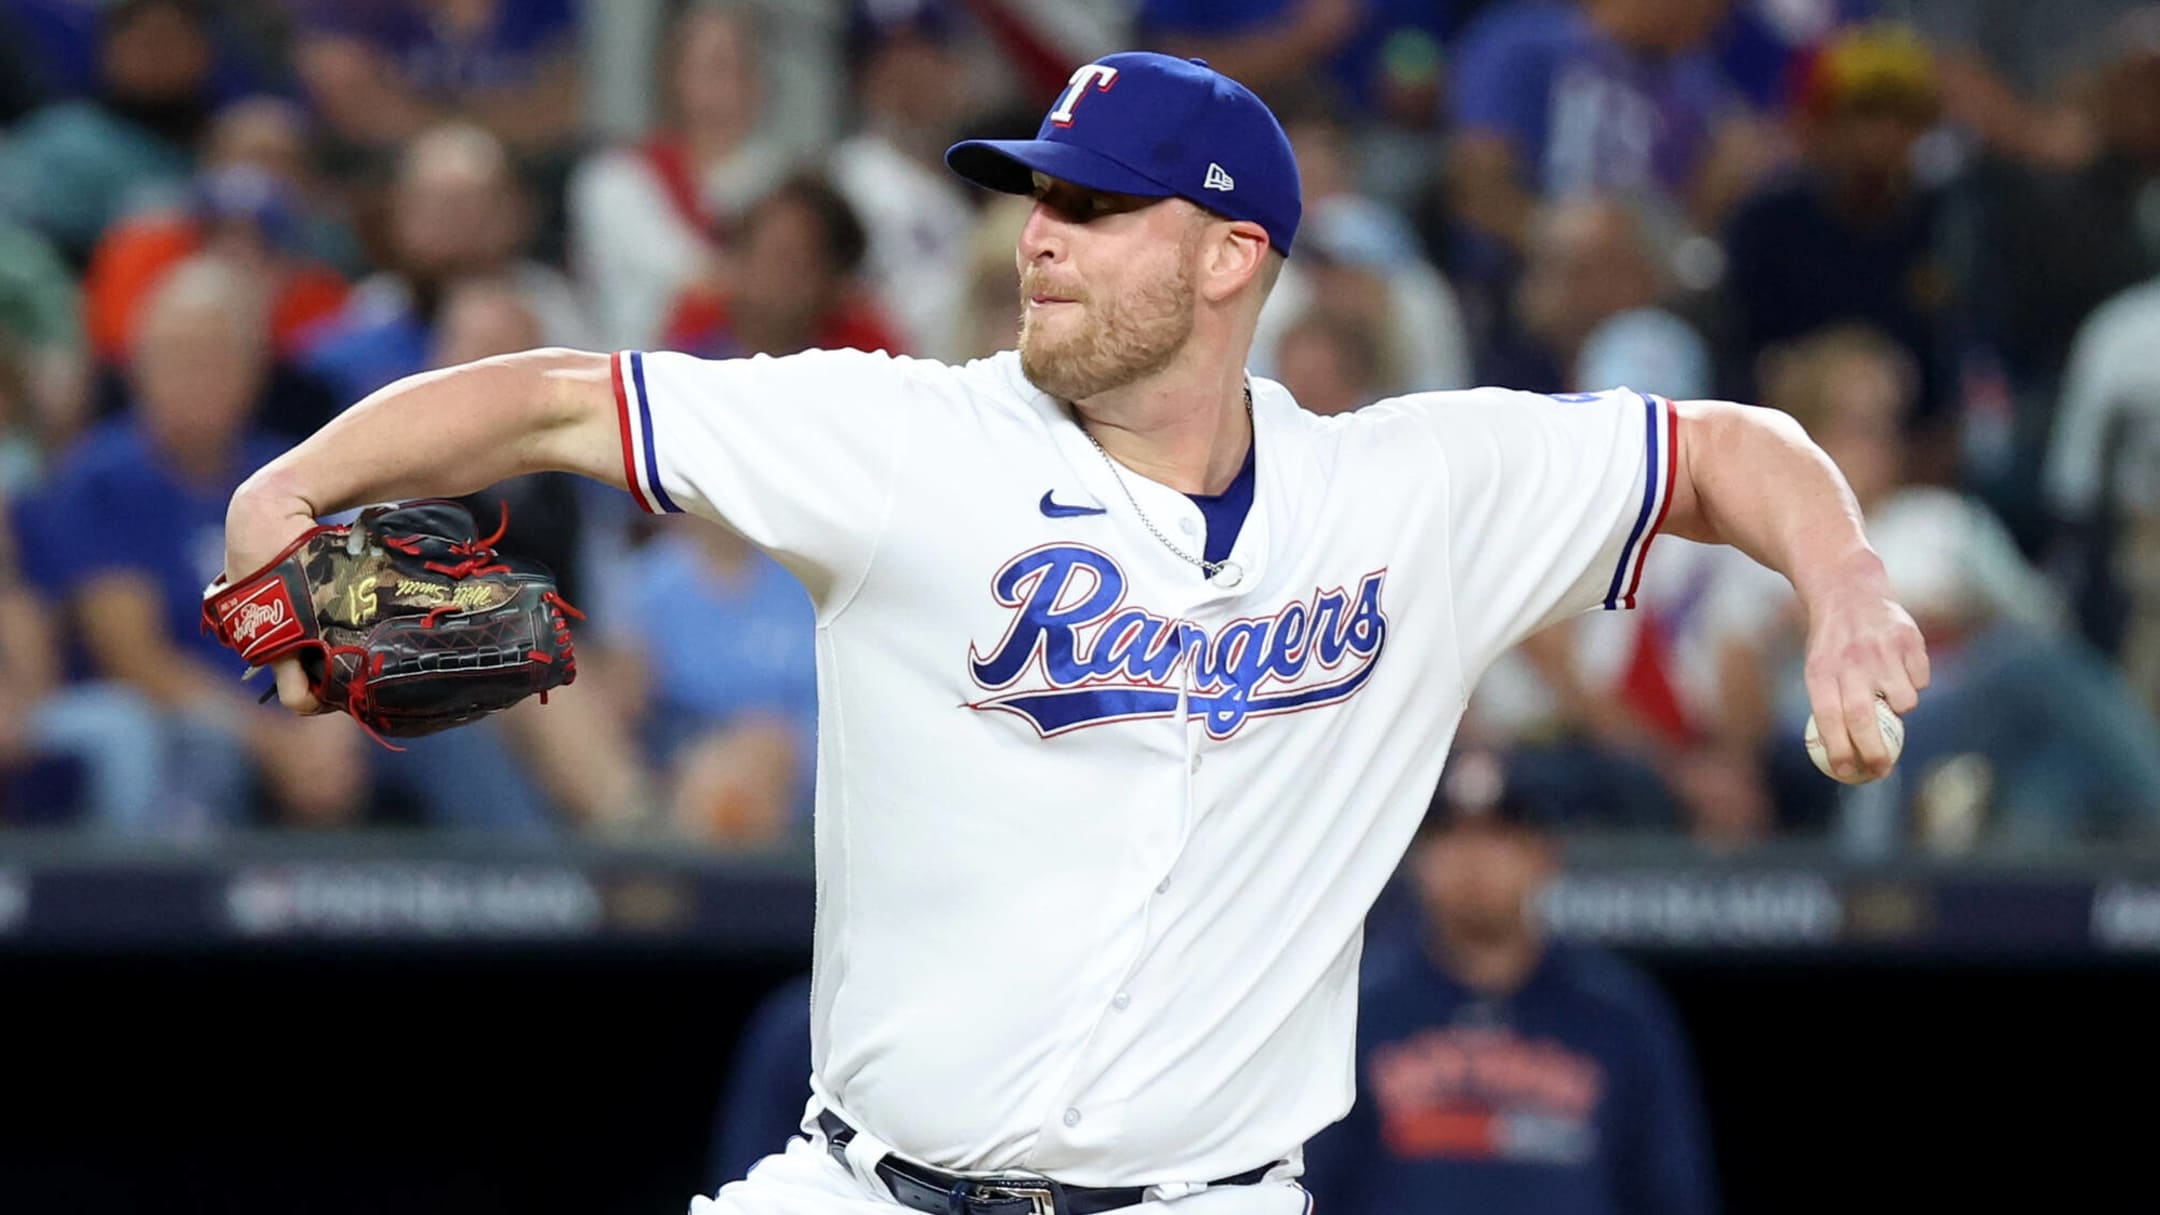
(1041, 1199)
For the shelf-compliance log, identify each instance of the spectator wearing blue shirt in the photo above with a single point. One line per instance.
(725, 640)
(132, 525)
(67, 751)
(1554, 98)
(1501, 1074)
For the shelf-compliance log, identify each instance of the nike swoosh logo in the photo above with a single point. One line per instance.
(1057, 510)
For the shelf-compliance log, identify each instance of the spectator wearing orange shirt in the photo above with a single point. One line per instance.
(241, 214)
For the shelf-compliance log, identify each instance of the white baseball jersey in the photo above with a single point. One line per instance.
(1096, 835)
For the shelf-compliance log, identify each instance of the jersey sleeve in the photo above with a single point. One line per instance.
(798, 454)
(1552, 503)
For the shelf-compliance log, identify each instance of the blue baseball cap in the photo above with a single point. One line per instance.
(1155, 126)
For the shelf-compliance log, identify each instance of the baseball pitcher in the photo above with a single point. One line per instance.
(1134, 677)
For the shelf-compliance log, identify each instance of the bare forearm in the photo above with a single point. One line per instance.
(1758, 483)
(1752, 479)
(437, 434)
(441, 433)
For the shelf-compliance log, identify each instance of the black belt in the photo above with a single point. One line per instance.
(941, 1193)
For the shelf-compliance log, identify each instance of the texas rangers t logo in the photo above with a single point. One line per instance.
(1074, 655)
(1089, 73)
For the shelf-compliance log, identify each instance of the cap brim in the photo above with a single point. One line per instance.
(1009, 165)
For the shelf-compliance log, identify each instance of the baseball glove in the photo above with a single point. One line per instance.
(406, 619)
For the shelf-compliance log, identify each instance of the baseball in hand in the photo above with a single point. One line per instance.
(1893, 736)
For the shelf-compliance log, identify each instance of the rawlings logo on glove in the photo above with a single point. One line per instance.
(406, 619)
(267, 608)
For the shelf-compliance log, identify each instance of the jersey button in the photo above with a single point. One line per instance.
(1072, 1117)
(1189, 527)
(1196, 763)
(1163, 886)
(1121, 1001)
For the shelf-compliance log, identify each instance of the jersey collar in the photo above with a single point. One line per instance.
(1166, 506)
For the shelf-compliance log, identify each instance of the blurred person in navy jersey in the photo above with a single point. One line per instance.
(456, 211)
(769, 1086)
(381, 71)
(75, 166)
(912, 89)
(131, 527)
(653, 217)
(1854, 235)
(1554, 98)
(791, 286)
(1501, 1073)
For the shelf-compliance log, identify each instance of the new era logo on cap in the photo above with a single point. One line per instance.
(1140, 123)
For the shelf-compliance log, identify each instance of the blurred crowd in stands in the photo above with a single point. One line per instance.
(1928, 229)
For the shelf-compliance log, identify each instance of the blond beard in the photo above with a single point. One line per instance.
(1123, 342)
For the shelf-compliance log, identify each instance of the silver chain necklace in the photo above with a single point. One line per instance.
(1208, 569)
